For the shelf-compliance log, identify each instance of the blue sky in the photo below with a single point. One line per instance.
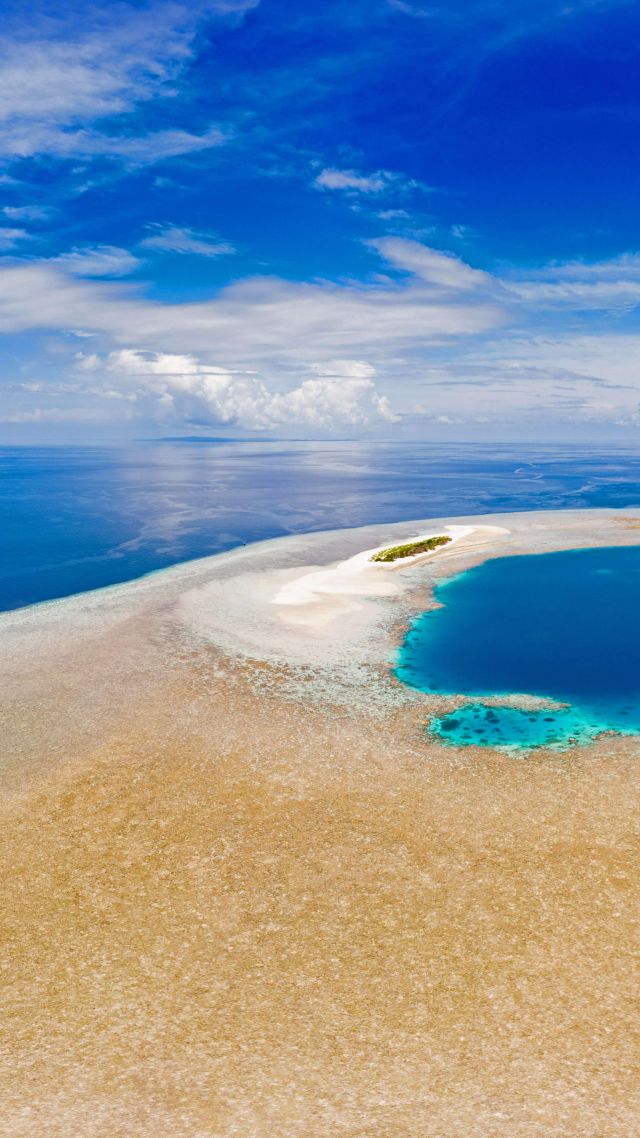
(378, 218)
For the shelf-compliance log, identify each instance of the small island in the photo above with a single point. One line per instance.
(411, 550)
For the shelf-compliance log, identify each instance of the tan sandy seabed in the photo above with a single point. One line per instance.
(243, 897)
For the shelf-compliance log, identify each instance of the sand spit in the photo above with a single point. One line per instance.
(321, 596)
(243, 897)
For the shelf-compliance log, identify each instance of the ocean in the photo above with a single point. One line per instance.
(78, 518)
(565, 626)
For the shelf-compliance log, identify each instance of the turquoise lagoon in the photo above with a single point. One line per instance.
(562, 626)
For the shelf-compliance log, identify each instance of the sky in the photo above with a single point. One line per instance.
(279, 218)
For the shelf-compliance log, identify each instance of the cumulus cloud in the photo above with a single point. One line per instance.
(262, 353)
(178, 239)
(431, 337)
(265, 352)
(181, 387)
(349, 369)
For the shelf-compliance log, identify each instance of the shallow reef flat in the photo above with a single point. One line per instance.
(244, 896)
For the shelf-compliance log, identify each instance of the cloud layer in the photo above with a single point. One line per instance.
(213, 216)
(71, 87)
(181, 239)
(433, 339)
(180, 388)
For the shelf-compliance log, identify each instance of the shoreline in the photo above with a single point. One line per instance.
(321, 551)
(233, 865)
(335, 649)
(317, 597)
(395, 530)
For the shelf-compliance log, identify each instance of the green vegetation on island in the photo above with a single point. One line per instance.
(410, 550)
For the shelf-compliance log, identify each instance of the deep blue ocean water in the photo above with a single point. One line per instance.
(77, 518)
(560, 625)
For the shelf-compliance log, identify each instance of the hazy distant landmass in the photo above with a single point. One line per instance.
(207, 439)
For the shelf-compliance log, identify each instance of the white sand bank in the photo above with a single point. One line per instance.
(322, 614)
(320, 596)
(311, 599)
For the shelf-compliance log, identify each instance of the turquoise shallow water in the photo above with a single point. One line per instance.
(563, 626)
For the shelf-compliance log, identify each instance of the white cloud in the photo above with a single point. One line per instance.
(58, 415)
(27, 212)
(261, 321)
(610, 284)
(138, 150)
(328, 403)
(177, 239)
(565, 381)
(350, 369)
(627, 264)
(607, 358)
(144, 150)
(10, 237)
(437, 342)
(71, 73)
(351, 180)
(180, 386)
(97, 261)
(579, 294)
(431, 265)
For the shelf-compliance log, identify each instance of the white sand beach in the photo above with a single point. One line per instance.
(324, 594)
